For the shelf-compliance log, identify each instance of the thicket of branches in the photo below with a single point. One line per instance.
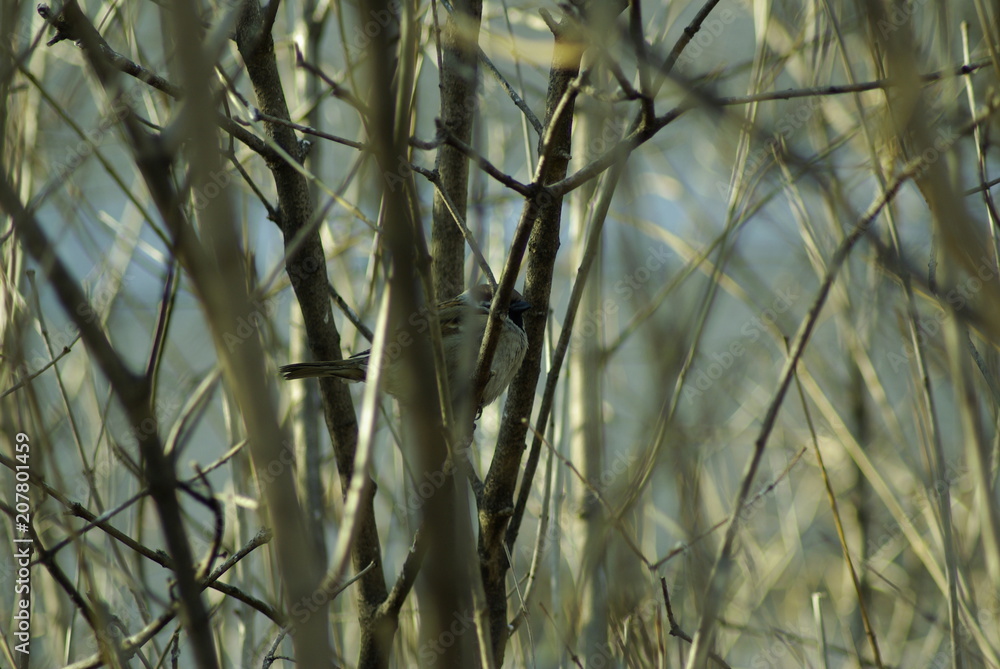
(757, 421)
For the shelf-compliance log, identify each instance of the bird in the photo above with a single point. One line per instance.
(463, 326)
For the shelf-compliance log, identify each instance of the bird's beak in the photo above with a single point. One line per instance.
(519, 307)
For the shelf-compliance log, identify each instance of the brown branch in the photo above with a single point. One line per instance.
(447, 569)
(449, 139)
(724, 558)
(690, 30)
(65, 30)
(539, 225)
(218, 274)
(470, 239)
(34, 375)
(511, 93)
(306, 268)
(258, 115)
(675, 628)
(134, 395)
(407, 575)
(132, 644)
(336, 89)
(643, 132)
(555, 368)
(459, 80)
(351, 314)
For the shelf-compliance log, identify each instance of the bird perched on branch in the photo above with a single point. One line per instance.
(463, 326)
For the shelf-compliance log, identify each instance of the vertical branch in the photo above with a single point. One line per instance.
(585, 406)
(445, 583)
(543, 213)
(306, 431)
(134, 392)
(213, 258)
(134, 396)
(306, 269)
(459, 81)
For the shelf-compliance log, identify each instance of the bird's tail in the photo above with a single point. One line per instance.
(350, 369)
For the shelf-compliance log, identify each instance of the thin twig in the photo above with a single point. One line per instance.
(614, 518)
(841, 536)
(162, 325)
(350, 313)
(593, 245)
(515, 98)
(751, 503)
(675, 628)
(511, 93)
(540, 543)
(407, 575)
(470, 239)
(644, 132)
(473, 155)
(572, 655)
(34, 375)
(802, 338)
(258, 115)
(336, 89)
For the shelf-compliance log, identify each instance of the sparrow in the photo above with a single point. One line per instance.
(463, 326)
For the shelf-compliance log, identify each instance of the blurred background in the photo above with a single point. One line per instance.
(815, 181)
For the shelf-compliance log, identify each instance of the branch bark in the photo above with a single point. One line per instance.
(543, 213)
(459, 80)
(306, 269)
(446, 580)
